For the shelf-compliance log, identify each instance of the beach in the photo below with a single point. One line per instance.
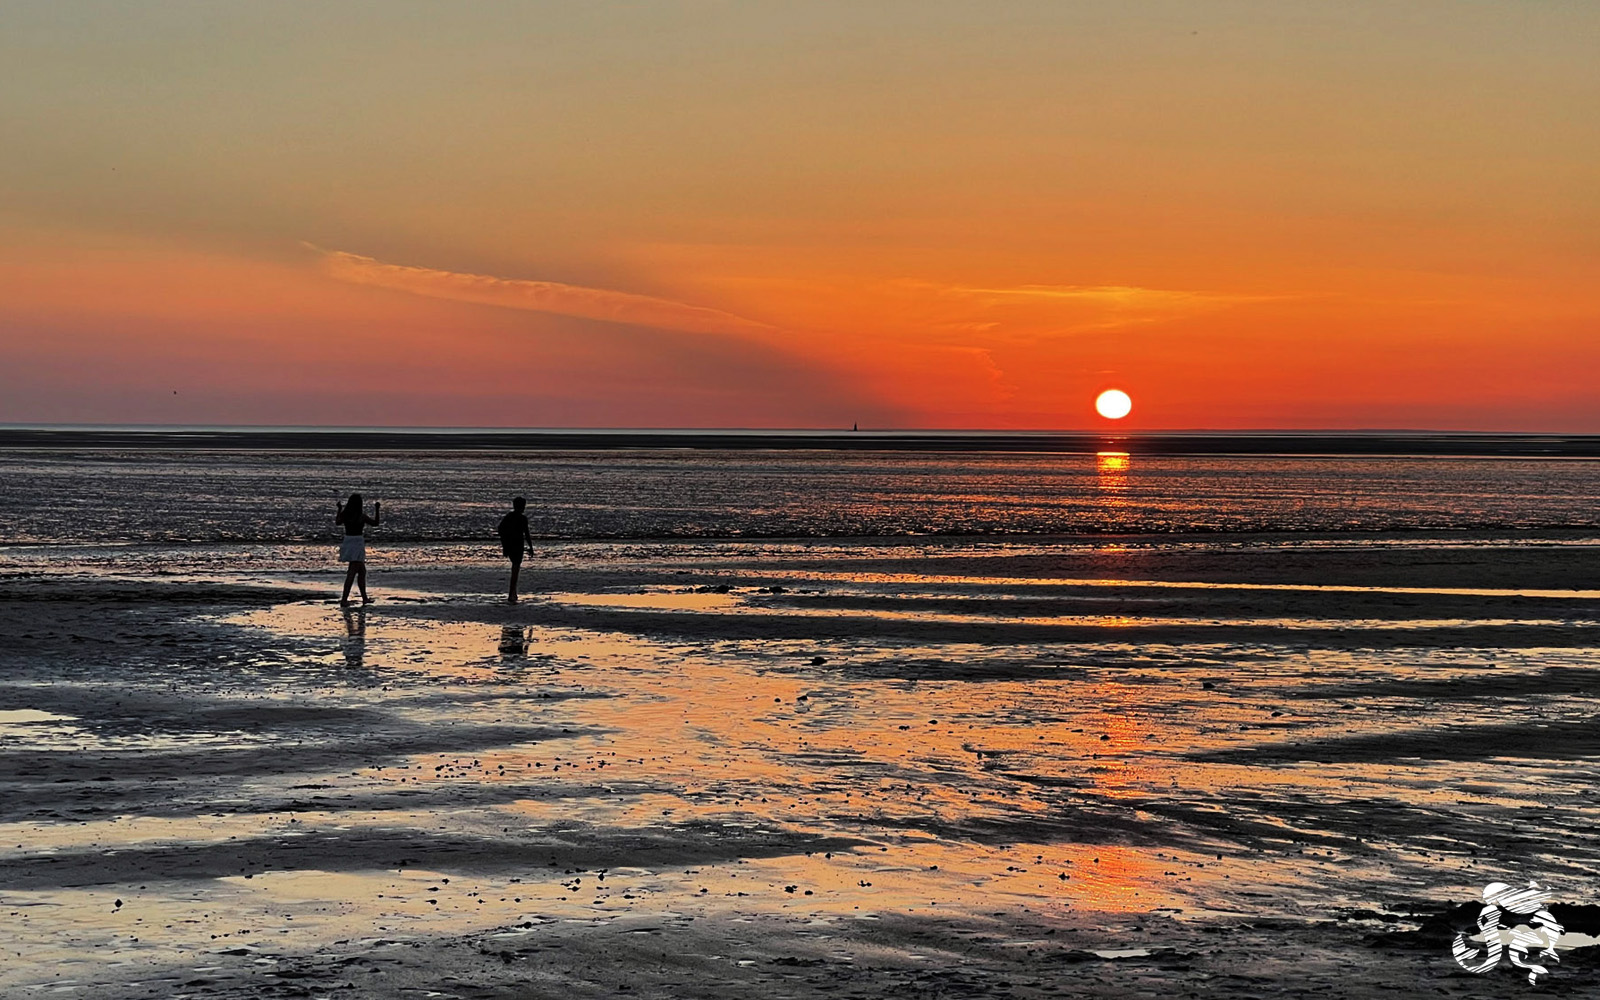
(704, 500)
(1180, 763)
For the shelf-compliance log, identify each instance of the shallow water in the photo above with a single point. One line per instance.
(152, 497)
(847, 768)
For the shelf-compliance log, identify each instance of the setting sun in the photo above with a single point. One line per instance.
(1113, 404)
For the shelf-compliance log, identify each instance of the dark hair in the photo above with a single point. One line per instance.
(354, 516)
(517, 503)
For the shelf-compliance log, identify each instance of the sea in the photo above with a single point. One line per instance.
(89, 498)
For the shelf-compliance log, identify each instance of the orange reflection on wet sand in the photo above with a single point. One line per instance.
(948, 778)
(743, 740)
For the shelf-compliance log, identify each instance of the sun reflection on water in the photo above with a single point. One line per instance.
(1111, 463)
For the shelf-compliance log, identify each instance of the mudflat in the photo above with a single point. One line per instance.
(1127, 767)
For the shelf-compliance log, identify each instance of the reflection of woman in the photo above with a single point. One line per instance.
(355, 642)
(513, 643)
(352, 517)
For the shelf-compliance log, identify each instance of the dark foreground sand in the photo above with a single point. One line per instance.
(767, 770)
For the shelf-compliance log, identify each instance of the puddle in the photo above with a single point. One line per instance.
(30, 729)
(663, 600)
(821, 576)
(983, 611)
(29, 716)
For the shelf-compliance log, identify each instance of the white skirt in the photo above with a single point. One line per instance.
(353, 549)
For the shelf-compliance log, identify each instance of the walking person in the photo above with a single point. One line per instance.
(352, 517)
(513, 533)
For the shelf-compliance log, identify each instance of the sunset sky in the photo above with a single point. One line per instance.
(743, 213)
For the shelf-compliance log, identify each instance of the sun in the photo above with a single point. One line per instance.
(1113, 404)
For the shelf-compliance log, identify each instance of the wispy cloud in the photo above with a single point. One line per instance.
(1111, 296)
(1066, 308)
(535, 296)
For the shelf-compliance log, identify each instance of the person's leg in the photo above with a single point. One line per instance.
(361, 579)
(516, 570)
(349, 578)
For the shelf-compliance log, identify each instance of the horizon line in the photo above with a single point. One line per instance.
(823, 430)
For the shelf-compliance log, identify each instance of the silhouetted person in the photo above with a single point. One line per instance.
(513, 533)
(352, 517)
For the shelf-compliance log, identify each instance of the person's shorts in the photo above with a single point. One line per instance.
(353, 549)
(512, 553)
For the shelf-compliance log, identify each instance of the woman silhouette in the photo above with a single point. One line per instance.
(352, 517)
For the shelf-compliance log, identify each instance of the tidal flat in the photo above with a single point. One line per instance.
(1176, 766)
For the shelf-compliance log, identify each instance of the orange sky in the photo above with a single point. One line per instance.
(704, 213)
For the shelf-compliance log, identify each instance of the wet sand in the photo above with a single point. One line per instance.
(1138, 767)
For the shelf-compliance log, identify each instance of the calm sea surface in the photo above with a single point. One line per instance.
(198, 497)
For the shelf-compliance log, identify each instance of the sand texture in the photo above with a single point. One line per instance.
(1176, 767)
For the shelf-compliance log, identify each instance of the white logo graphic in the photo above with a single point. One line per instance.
(1512, 922)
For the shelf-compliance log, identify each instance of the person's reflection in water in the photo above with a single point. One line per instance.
(355, 637)
(513, 643)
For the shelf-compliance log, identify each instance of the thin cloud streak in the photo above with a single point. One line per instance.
(1122, 296)
(535, 296)
(1055, 309)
